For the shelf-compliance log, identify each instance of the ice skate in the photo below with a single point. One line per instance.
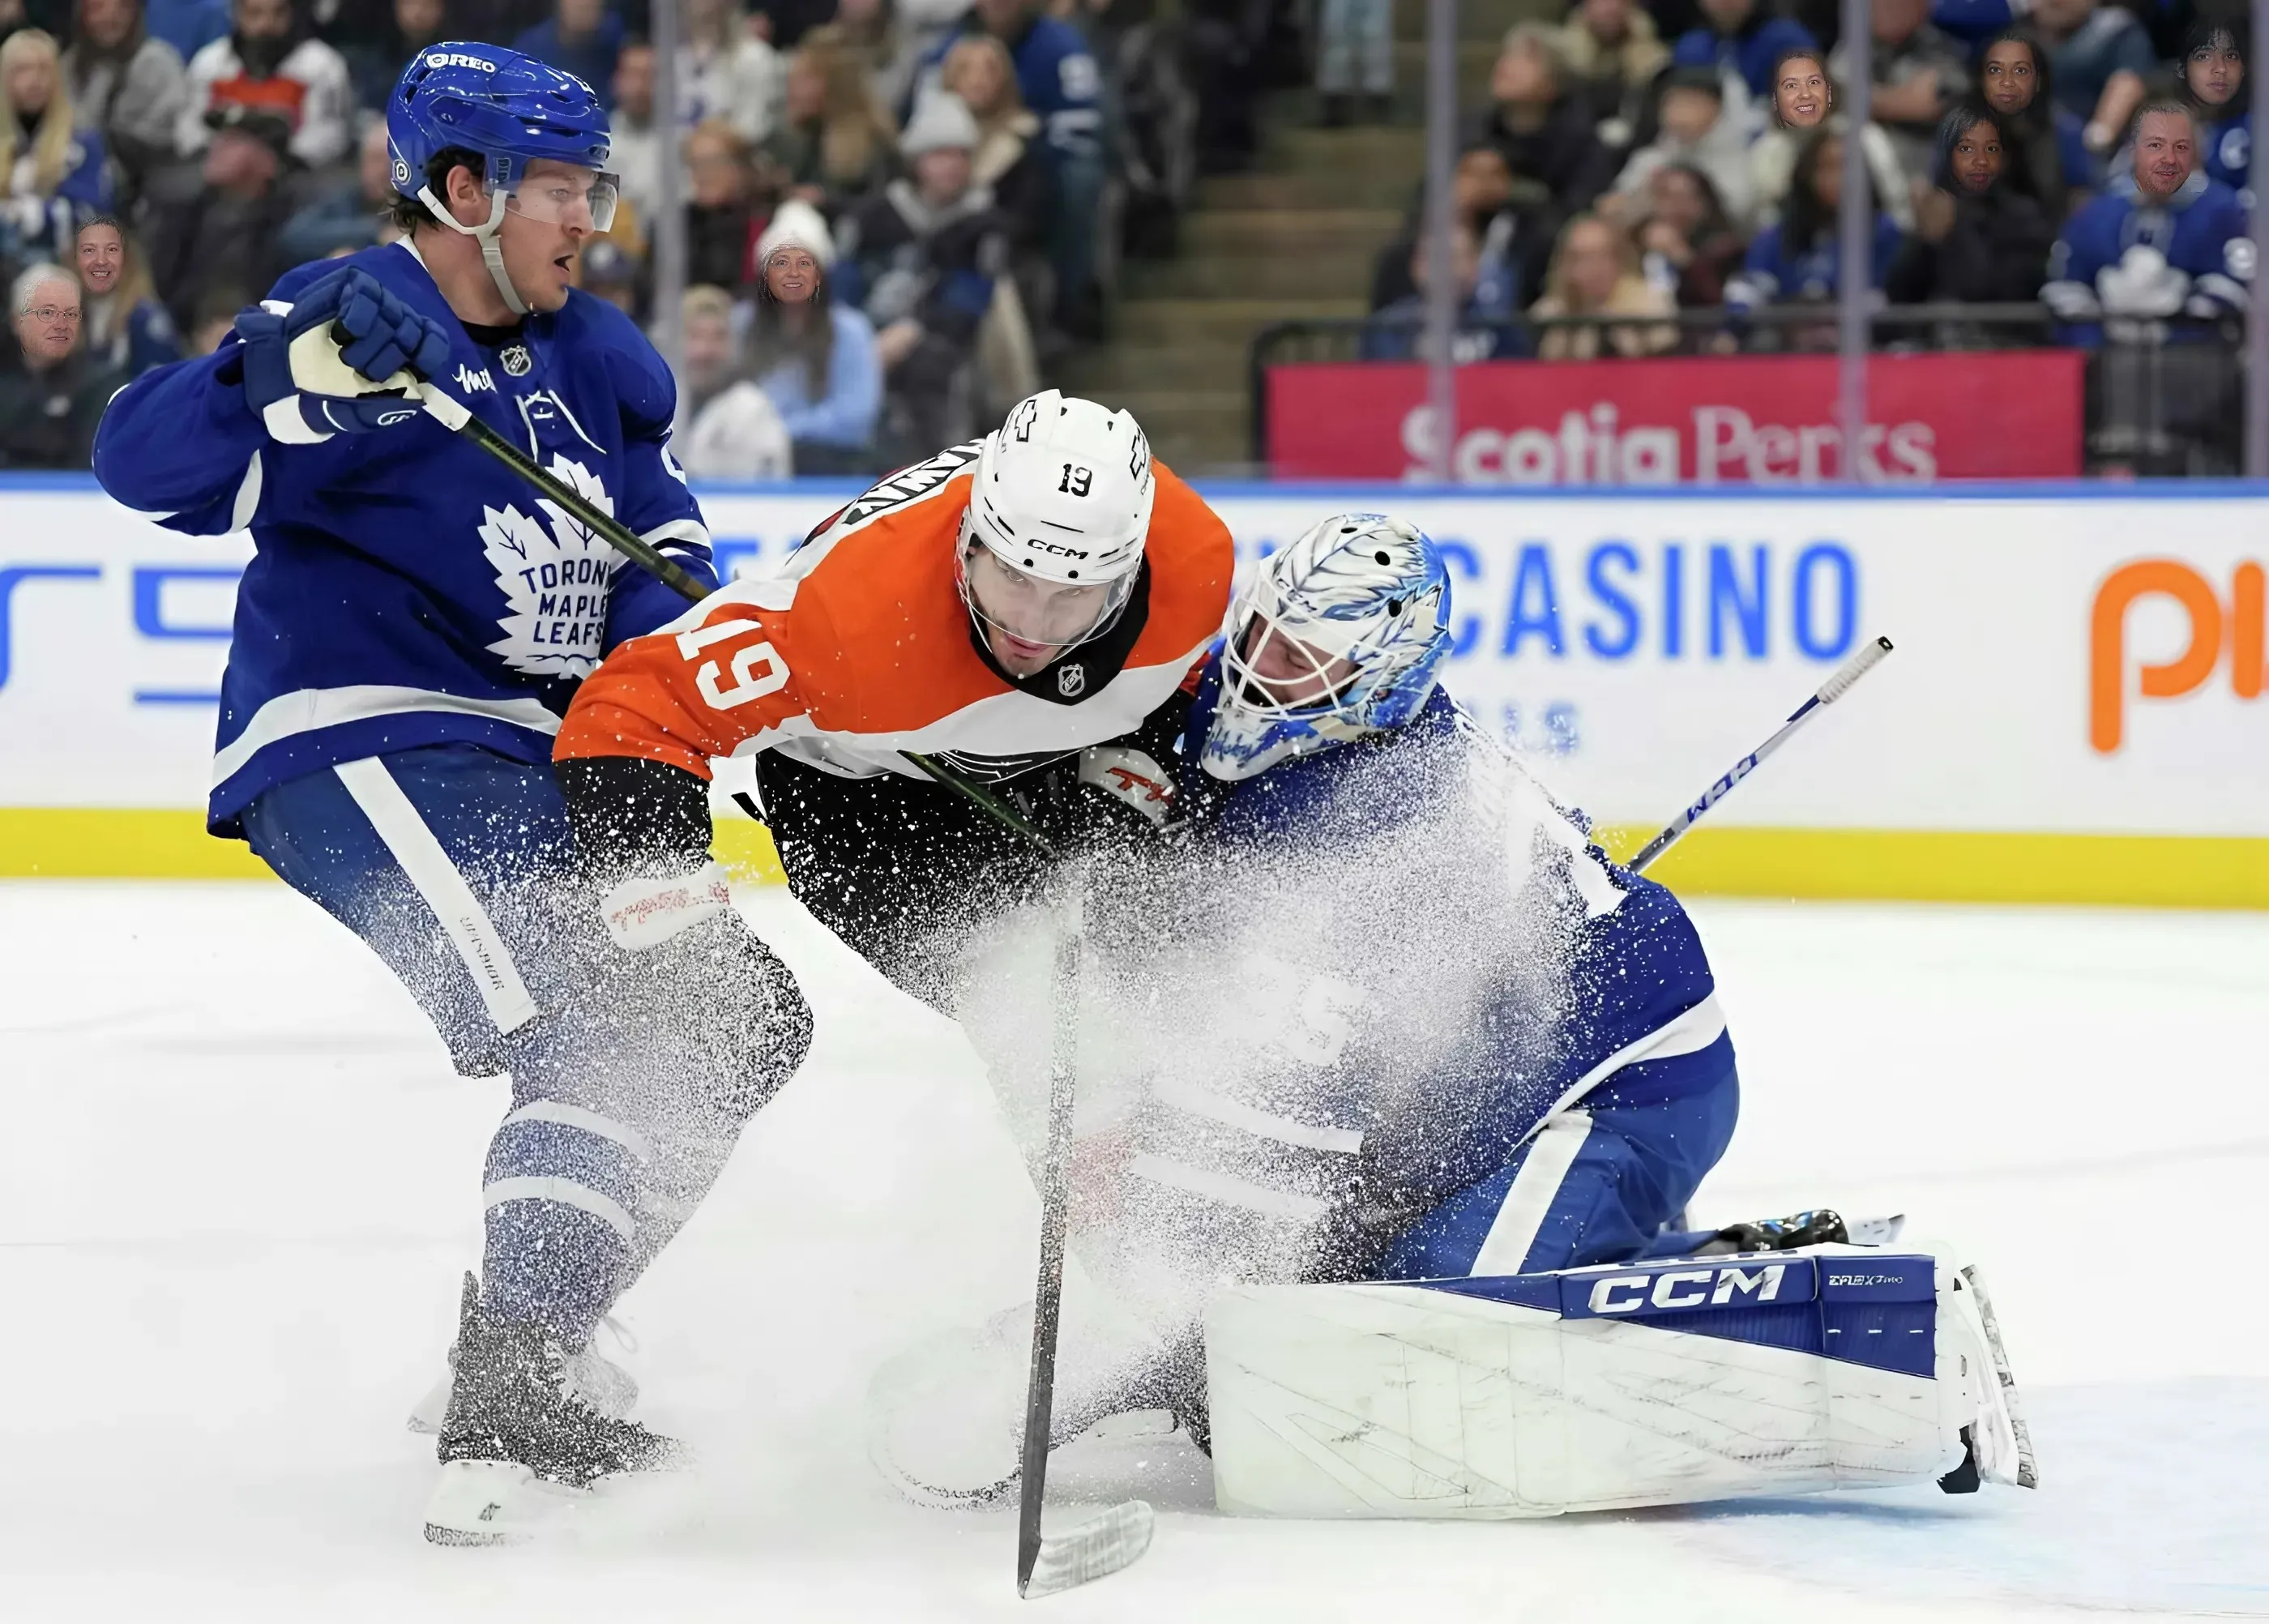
(1821, 1226)
(602, 1383)
(518, 1439)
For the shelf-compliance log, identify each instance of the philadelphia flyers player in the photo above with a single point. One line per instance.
(1026, 608)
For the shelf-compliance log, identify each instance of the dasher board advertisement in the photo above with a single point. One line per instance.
(2071, 666)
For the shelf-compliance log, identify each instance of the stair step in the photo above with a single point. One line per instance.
(1319, 187)
(1106, 373)
(1364, 148)
(1281, 230)
(1198, 428)
(1137, 323)
(1333, 272)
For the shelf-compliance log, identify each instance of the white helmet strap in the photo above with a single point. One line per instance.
(491, 250)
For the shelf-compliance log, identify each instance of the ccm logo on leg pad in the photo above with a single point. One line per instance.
(1676, 1288)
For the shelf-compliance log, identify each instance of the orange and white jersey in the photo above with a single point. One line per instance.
(860, 649)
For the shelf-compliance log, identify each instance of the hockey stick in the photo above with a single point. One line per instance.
(453, 416)
(1834, 689)
(1105, 1544)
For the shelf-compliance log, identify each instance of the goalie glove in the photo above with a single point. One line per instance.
(343, 357)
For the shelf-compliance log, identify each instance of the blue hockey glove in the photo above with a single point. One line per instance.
(345, 357)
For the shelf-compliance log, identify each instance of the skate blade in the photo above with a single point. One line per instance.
(494, 1502)
(1095, 1549)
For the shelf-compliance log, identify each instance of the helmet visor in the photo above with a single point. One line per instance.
(1044, 613)
(584, 197)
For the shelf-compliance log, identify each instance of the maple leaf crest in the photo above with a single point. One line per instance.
(554, 575)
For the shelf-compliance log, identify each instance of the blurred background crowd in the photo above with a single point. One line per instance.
(902, 215)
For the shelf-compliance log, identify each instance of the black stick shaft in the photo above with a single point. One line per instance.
(1047, 1296)
(618, 536)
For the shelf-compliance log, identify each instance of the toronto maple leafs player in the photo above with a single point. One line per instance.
(408, 634)
(2167, 240)
(1421, 1027)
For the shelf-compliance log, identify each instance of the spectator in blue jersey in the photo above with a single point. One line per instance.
(1062, 86)
(123, 324)
(2173, 245)
(921, 260)
(346, 214)
(583, 37)
(2014, 79)
(411, 26)
(813, 355)
(1798, 259)
(1487, 318)
(2212, 68)
(124, 84)
(52, 174)
(1741, 40)
(52, 390)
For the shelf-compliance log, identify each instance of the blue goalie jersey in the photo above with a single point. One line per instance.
(407, 588)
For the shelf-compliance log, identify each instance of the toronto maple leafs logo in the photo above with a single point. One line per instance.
(554, 575)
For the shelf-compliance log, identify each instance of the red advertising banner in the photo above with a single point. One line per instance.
(1760, 419)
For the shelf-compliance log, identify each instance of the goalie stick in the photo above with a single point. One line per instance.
(1102, 1545)
(1834, 689)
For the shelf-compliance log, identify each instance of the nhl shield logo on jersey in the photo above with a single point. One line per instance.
(554, 575)
(516, 359)
(1071, 681)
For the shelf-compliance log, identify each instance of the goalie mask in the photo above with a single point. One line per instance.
(1341, 634)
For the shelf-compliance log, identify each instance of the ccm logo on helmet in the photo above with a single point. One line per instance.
(458, 59)
(1061, 551)
(1628, 1293)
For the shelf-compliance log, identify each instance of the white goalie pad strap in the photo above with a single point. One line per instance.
(461, 917)
(1504, 1249)
(1449, 1400)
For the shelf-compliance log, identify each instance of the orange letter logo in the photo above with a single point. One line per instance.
(2186, 673)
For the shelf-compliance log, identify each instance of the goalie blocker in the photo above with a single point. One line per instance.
(1610, 1387)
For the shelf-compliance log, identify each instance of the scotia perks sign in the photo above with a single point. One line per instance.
(1693, 419)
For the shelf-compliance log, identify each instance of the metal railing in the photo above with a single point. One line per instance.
(2162, 396)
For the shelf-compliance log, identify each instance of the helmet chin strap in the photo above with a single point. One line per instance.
(491, 250)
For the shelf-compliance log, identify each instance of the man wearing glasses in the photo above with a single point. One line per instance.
(51, 390)
(408, 634)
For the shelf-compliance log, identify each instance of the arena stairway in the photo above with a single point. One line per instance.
(1294, 238)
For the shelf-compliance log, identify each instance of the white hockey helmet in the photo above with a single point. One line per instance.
(1063, 494)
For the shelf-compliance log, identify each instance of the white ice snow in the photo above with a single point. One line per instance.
(238, 1181)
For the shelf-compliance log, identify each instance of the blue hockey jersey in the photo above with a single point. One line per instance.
(406, 588)
(2227, 150)
(2122, 258)
(1056, 74)
(1426, 958)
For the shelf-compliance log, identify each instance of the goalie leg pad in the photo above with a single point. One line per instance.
(1604, 1388)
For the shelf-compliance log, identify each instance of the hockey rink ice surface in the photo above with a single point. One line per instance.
(238, 1186)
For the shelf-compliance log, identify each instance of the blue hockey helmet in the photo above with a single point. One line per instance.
(512, 110)
(1341, 634)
